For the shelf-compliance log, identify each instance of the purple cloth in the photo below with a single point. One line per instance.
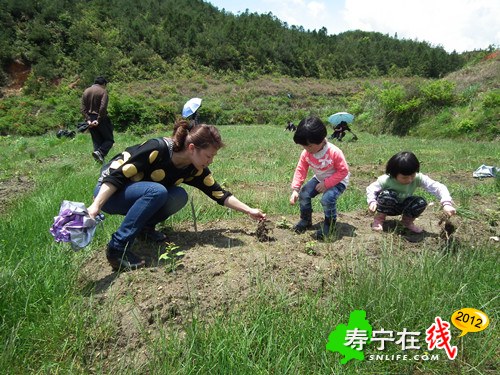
(74, 225)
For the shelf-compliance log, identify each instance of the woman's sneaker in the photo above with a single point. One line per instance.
(120, 260)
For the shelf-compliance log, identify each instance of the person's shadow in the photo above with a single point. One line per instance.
(99, 286)
(216, 237)
(345, 230)
(394, 226)
(170, 253)
(341, 230)
(182, 241)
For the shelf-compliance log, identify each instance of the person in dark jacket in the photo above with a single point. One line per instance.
(339, 131)
(94, 107)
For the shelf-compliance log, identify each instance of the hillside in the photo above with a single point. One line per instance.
(225, 260)
(65, 40)
(462, 104)
(485, 74)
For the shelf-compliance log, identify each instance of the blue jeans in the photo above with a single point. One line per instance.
(144, 204)
(328, 200)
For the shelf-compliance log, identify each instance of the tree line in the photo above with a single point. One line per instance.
(130, 40)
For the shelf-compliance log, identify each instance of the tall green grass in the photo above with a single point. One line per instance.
(275, 332)
(49, 325)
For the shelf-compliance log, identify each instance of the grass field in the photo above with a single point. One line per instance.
(52, 323)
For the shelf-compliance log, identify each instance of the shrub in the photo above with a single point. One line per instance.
(402, 111)
(439, 93)
(392, 97)
(492, 99)
(489, 117)
(128, 112)
(467, 126)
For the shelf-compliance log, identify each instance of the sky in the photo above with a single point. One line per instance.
(455, 25)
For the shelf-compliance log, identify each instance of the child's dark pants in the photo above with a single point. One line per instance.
(388, 203)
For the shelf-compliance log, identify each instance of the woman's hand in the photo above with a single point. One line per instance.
(93, 210)
(373, 207)
(256, 214)
(106, 191)
(235, 204)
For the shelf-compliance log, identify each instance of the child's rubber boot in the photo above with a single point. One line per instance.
(408, 222)
(304, 223)
(378, 222)
(326, 229)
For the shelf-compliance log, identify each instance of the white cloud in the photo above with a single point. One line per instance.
(454, 24)
(309, 14)
(461, 25)
(316, 8)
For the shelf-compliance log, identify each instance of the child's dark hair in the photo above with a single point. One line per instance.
(404, 162)
(310, 130)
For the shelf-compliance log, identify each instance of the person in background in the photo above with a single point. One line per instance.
(339, 131)
(194, 119)
(331, 175)
(142, 184)
(392, 193)
(290, 127)
(94, 107)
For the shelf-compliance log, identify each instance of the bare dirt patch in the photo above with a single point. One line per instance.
(12, 189)
(223, 262)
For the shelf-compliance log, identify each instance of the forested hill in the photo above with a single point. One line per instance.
(130, 39)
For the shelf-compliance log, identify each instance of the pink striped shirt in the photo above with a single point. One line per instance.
(328, 165)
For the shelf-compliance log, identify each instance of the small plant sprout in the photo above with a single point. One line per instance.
(171, 256)
(310, 248)
(283, 223)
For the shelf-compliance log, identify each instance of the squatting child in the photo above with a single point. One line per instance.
(331, 175)
(392, 193)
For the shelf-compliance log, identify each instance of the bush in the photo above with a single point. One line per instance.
(391, 98)
(402, 110)
(491, 99)
(467, 126)
(128, 112)
(439, 93)
(489, 117)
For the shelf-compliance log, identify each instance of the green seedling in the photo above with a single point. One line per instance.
(283, 223)
(310, 248)
(171, 256)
